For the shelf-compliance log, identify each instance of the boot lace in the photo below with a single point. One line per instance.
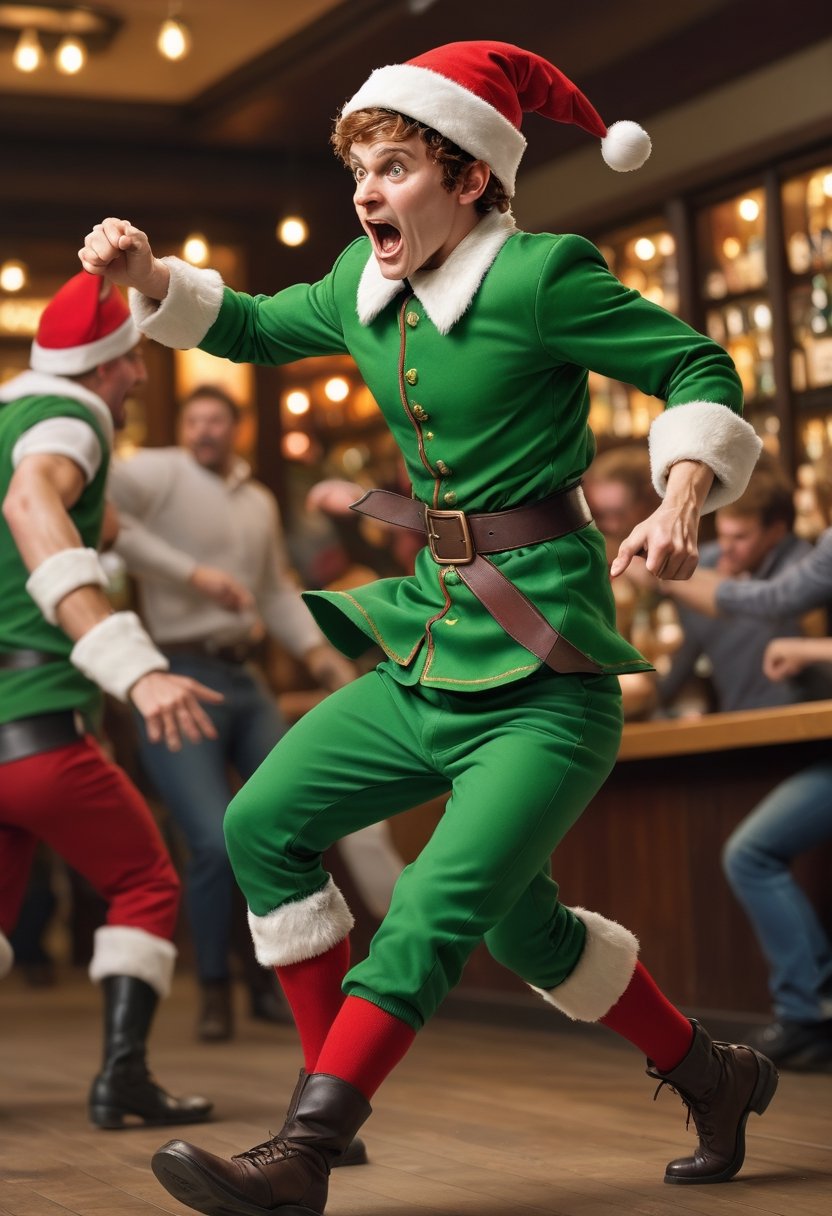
(698, 1110)
(270, 1150)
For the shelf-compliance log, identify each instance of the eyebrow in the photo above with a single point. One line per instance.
(385, 152)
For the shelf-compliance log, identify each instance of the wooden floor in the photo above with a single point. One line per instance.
(475, 1122)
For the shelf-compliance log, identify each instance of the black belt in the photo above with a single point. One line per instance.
(41, 733)
(458, 539)
(239, 652)
(19, 660)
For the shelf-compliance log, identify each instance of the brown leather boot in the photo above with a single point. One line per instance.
(290, 1172)
(720, 1083)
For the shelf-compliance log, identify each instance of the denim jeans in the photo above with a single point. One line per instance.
(195, 787)
(796, 815)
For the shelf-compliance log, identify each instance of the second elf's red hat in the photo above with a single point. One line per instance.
(475, 94)
(86, 322)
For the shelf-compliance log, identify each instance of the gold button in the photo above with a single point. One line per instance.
(429, 435)
(420, 413)
(443, 468)
(411, 375)
(412, 319)
(450, 498)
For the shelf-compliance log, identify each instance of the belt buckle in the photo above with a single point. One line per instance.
(450, 532)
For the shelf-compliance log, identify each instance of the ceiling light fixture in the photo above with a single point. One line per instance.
(28, 53)
(174, 40)
(33, 30)
(70, 56)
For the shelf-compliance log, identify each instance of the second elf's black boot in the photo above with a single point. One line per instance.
(124, 1092)
(721, 1084)
(287, 1175)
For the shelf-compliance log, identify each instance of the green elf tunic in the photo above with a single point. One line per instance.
(26, 402)
(480, 368)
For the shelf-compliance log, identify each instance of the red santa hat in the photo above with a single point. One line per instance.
(86, 322)
(475, 94)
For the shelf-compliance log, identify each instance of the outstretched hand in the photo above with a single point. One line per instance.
(120, 252)
(170, 706)
(669, 538)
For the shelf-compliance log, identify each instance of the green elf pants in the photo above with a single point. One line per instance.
(522, 761)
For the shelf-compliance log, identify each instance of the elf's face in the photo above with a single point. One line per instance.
(412, 220)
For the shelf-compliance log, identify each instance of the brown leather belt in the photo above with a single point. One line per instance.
(20, 660)
(462, 540)
(39, 733)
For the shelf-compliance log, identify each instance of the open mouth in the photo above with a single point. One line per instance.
(385, 237)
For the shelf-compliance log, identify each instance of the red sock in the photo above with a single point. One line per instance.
(644, 1016)
(313, 990)
(364, 1045)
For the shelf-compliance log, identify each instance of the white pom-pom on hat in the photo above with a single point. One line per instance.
(626, 146)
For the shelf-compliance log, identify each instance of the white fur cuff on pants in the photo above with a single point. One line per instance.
(123, 950)
(6, 955)
(602, 972)
(302, 929)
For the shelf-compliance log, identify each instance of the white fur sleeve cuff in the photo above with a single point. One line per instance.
(117, 652)
(711, 433)
(61, 573)
(187, 312)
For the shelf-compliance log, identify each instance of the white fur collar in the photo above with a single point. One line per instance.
(446, 292)
(41, 384)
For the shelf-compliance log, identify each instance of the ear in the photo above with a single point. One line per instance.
(474, 181)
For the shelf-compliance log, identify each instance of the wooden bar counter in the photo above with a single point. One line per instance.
(647, 851)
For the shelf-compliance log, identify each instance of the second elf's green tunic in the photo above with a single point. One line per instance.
(480, 368)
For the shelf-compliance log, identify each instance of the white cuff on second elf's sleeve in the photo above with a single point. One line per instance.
(117, 652)
(60, 574)
(711, 433)
(187, 312)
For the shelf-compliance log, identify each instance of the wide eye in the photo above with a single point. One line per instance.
(357, 173)
(396, 170)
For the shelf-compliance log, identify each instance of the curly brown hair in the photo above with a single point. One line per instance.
(367, 126)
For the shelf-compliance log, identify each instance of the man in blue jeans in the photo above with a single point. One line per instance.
(795, 817)
(204, 541)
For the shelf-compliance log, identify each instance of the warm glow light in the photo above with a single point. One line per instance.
(28, 54)
(336, 389)
(827, 185)
(13, 276)
(644, 249)
(296, 444)
(195, 249)
(666, 244)
(762, 316)
(292, 230)
(174, 39)
(70, 56)
(297, 402)
(731, 248)
(748, 208)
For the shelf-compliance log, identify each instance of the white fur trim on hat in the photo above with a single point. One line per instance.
(187, 312)
(601, 974)
(61, 573)
(75, 360)
(117, 652)
(302, 929)
(125, 950)
(626, 146)
(6, 955)
(449, 108)
(711, 433)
